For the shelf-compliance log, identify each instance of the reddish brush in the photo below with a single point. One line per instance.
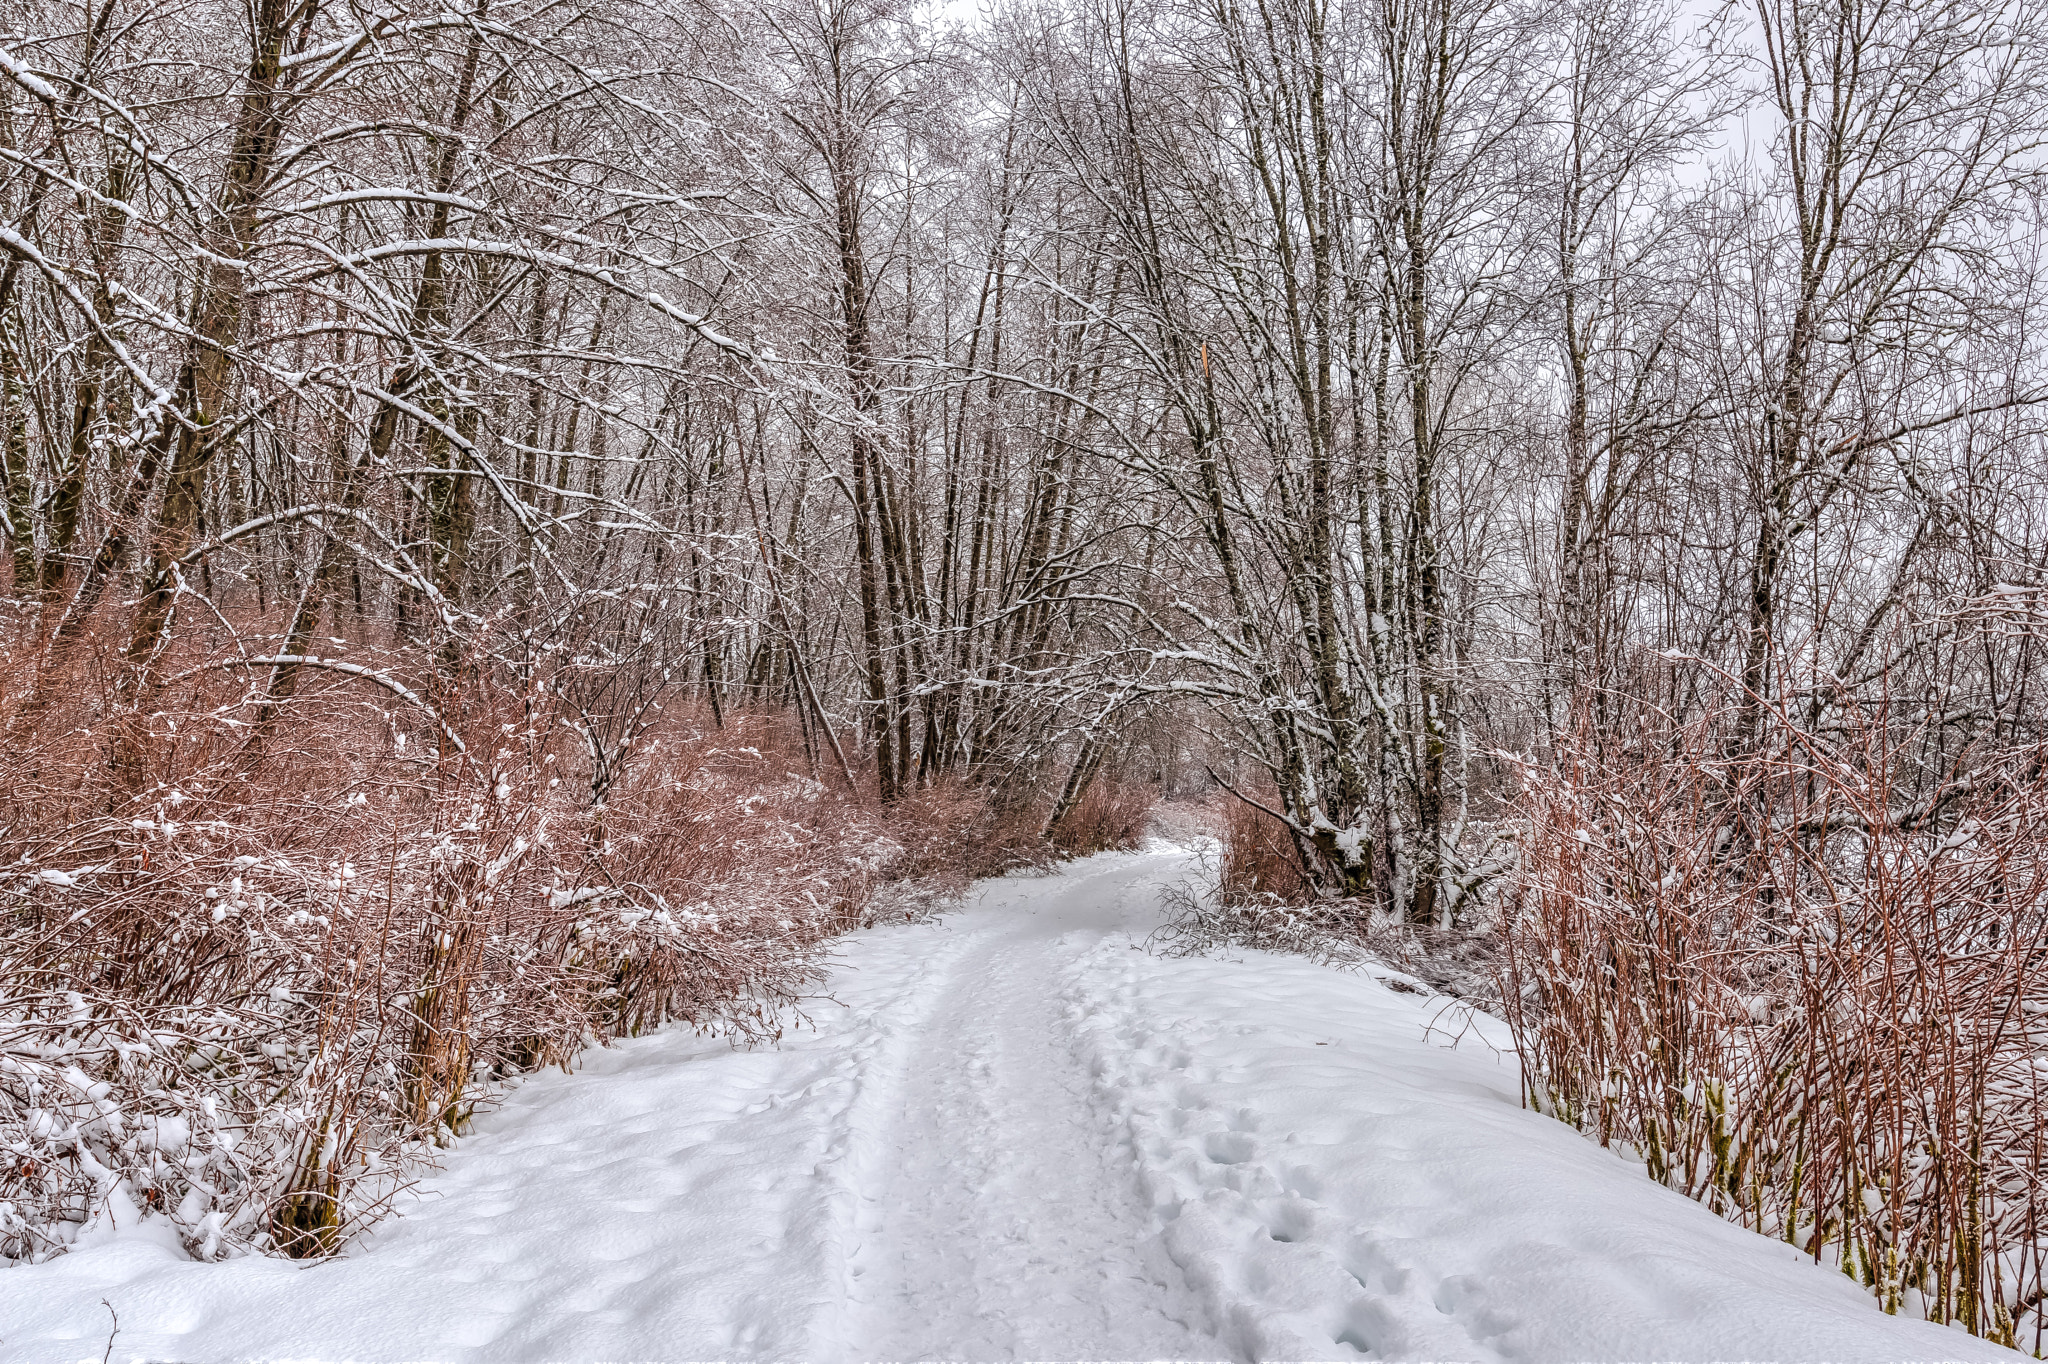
(1110, 815)
(1805, 998)
(1260, 862)
(252, 986)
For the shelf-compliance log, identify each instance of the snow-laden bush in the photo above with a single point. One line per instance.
(253, 1002)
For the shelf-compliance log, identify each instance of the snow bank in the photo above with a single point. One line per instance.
(657, 1204)
(1344, 1171)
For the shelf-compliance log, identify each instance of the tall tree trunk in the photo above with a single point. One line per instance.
(203, 395)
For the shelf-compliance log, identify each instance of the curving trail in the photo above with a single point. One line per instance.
(1012, 1134)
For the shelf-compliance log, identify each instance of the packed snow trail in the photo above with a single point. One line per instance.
(1010, 1134)
(997, 1218)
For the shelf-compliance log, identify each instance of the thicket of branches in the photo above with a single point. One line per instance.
(1365, 403)
(1807, 990)
(256, 1013)
(444, 451)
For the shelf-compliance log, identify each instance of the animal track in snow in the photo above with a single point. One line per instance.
(1228, 1148)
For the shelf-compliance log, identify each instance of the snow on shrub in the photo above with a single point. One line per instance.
(1227, 905)
(1806, 996)
(251, 999)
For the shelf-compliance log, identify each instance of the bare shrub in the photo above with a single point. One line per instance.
(1809, 999)
(1247, 892)
(252, 989)
(1199, 922)
(1110, 816)
(1463, 962)
(1260, 864)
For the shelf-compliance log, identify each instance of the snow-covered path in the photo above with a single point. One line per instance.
(999, 1218)
(1012, 1134)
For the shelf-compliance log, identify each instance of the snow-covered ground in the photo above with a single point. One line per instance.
(1012, 1134)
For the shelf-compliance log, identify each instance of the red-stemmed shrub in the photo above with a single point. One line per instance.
(1806, 994)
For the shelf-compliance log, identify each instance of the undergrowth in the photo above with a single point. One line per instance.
(252, 987)
(1806, 994)
(1249, 892)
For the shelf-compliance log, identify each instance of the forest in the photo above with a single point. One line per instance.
(525, 519)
